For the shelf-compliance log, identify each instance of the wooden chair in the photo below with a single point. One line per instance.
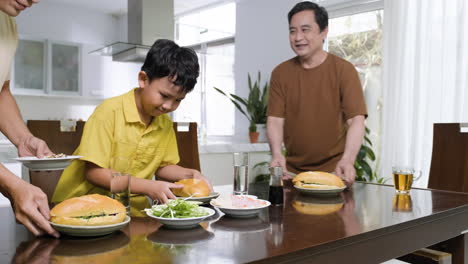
(187, 144)
(58, 142)
(449, 171)
(67, 142)
(449, 165)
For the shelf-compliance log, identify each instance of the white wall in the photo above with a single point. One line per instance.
(100, 75)
(219, 167)
(261, 44)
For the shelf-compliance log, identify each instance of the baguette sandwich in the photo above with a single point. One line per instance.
(88, 210)
(318, 180)
(192, 187)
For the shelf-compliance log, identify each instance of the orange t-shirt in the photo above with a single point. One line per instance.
(315, 104)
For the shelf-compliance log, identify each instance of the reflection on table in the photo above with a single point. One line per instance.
(366, 218)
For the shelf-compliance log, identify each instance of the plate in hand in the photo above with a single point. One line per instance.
(90, 231)
(183, 223)
(46, 164)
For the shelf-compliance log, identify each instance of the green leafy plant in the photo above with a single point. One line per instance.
(363, 169)
(253, 107)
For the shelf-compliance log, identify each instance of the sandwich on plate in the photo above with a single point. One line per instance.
(88, 210)
(192, 188)
(318, 180)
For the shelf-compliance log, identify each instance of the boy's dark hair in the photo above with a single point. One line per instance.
(321, 14)
(166, 58)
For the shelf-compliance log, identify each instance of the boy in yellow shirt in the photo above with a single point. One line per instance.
(136, 126)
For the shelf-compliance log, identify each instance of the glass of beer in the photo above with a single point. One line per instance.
(403, 178)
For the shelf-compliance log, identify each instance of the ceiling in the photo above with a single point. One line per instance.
(118, 7)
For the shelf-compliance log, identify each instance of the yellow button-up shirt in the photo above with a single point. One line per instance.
(116, 130)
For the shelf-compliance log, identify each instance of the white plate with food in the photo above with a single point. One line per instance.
(90, 231)
(47, 164)
(89, 215)
(318, 182)
(241, 206)
(203, 199)
(196, 190)
(180, 214)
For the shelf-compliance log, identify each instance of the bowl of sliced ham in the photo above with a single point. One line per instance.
(241, 206)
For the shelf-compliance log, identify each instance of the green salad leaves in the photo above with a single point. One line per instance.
(177, 209)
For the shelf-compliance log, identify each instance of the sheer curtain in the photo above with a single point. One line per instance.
(424, 78)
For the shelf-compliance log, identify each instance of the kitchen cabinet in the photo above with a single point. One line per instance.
(47, 67)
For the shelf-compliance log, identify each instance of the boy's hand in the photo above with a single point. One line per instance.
(161, 191)
(197, 175)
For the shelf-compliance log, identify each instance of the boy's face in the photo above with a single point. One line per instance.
(160, 96)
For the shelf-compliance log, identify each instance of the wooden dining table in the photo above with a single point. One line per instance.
(367, 223)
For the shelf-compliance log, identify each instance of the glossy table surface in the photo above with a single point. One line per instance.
(304, 229)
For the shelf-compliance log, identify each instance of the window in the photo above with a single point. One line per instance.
(358, 39)
(210, 32)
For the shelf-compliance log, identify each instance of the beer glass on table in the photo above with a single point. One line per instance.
(403, 178)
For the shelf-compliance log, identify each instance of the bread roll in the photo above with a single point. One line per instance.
(318, 180)
(192, 187)
(88, 210)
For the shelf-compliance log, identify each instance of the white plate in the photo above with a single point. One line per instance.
(86, 231)
(320, 191)
(204, 199)
(241, 212)
(46, 164)
(183, 223)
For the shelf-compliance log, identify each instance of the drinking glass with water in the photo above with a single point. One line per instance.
(241, 173)
(120, 181)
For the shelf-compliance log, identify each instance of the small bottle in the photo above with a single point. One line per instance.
(275, 195)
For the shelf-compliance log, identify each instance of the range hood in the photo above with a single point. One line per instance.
(147, 21)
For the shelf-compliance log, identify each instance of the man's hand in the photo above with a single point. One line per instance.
(31, 208)
(197, 175)
(160, 190)
(33, 146)
(345, 170)
(280, 161)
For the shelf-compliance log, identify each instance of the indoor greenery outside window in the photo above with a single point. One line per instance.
(358, 39)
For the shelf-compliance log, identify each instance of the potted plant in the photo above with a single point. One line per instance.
(253, 107)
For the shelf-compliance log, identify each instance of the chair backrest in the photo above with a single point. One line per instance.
(449, 165)
(58, 142)
(187, 144)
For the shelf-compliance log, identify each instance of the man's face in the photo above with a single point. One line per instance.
(14, 7)
(305, 37)
(159, 96)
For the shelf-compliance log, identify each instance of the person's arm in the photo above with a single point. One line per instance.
(28, 202)
(345, 167)
(157, 190)
(275, 126)
(13, 127)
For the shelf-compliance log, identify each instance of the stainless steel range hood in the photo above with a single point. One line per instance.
(148, 20)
